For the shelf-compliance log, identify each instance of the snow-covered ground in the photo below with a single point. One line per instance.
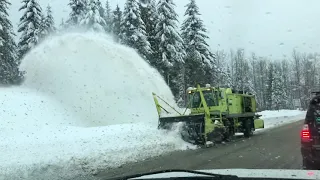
(86, 104)
(281, 117)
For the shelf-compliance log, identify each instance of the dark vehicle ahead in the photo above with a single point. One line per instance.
(310, 135)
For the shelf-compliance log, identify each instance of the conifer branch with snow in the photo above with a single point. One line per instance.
(29, 26)
(92, 19)
(199, 59)
(78, 11)
(9, 71)
(149, 16)
(108, 17)
(133, 30)
(170, 49)
(116, 23)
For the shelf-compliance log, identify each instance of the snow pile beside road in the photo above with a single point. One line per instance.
(86, 104)
(276, 118)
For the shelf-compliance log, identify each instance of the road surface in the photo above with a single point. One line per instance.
(276, 148)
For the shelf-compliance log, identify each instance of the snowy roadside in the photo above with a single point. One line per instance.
(86, 149)
(277, 118)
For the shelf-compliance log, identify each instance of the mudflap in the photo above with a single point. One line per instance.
(192, 130)
(258, 124)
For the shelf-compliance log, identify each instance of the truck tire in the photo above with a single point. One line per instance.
(229, 132)
(247, 128)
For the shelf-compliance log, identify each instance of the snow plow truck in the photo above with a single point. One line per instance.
(215, 115)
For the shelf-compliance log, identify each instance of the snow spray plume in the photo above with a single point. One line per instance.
(99, 81)
(82, 30)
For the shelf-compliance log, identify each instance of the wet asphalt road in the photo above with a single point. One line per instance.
(277, 148)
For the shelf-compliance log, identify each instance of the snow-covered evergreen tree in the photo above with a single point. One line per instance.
(223, 76)
(253, 72)
(171, 49)
(181, 85)
(92, 19)
(78, 10)
(247, 77)
(49, 21)
(42, 30)
(29, 26)
(108, 17)
(268, 86)
(241, 72)
(309, 72)
(9, 72)
(133, 30)
(116, 23)
(297, 76)
(171, 46)
(104, 13)
(227, 78)
(150, 18)
(62, 25)
(261, 79)
(101, 9)
(278, 93)
(199, 57)
(47, 24)
(285, 76)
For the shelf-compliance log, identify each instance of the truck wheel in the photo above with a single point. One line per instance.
(226, 135)
(247, 128)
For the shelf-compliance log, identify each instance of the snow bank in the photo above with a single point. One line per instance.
(277, 118)
(86, 104)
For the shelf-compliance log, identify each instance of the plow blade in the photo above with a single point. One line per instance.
(193, 128)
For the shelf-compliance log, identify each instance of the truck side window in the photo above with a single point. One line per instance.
(210, 98)
(196, 100)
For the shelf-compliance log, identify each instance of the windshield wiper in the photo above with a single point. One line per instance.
(217, 176)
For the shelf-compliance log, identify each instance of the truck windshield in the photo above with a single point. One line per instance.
(195, 100)
(211, 99)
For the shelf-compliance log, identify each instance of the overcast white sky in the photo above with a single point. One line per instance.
(266, 27)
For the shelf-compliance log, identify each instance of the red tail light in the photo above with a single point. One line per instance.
(305, 132)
